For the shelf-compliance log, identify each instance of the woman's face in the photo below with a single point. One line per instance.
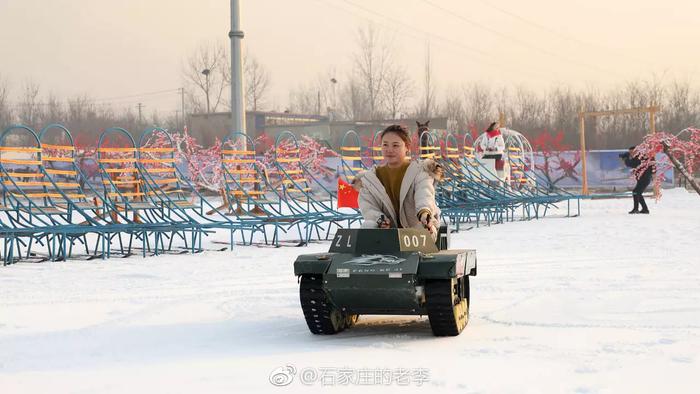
(393, 149)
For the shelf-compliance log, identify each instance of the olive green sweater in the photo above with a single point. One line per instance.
(391, 178)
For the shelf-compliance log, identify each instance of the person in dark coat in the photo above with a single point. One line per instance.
(633, 161)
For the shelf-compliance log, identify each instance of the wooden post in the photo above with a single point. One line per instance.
(137, 219)
(501, 119)
(113, 214)
(652, 130)
(652, 110)
(224, 203)
(582, 132)
(98, 212)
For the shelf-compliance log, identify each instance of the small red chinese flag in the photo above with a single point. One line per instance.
(347, 195)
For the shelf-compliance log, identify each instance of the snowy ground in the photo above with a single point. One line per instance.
(606, 302)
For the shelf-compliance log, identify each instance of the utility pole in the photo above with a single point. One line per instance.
(206, 73)
(318, 102)
(184, 117)
(333, 83)
(236, 36)
(582, 135)
(140, 106)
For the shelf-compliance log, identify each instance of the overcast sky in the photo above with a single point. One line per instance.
(108, 48)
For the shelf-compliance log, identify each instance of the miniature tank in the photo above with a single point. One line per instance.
(386, 272)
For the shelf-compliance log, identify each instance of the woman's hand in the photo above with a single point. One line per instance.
(425, 217)
(384, 224)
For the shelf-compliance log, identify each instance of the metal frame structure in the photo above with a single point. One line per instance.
(49, 205)
(651, 110)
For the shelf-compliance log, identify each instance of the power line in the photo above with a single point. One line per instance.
(562, 35)
(529, 22)
(411, 30)
(517, 40)
(405, 25)
(117, 100)
(176, 90)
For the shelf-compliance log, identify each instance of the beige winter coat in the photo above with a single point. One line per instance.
(417, 193)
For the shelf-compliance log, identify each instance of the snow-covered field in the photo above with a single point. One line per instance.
(606, 302)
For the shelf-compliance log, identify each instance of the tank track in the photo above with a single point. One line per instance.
(322, 317)
(448, 308)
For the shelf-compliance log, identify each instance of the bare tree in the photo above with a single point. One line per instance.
(427, 106)
(5, 112)
(316, 97)
(563, 105)
(479, 102)
(353, 100)
(372, 63)
(454, 110)
(502, 103)
(194, 101)
(304, 100)
(78, 108)
(257, 80)
(398, 89)
(632, 128)
(680, 108)
(206, 71)
(30, 106)
(529, 109)
(54, 112)
(325, 92)
(156, 118)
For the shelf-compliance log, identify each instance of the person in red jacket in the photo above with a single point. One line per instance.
(493, 146)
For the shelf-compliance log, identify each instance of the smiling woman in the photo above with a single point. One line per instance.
(400, 193)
